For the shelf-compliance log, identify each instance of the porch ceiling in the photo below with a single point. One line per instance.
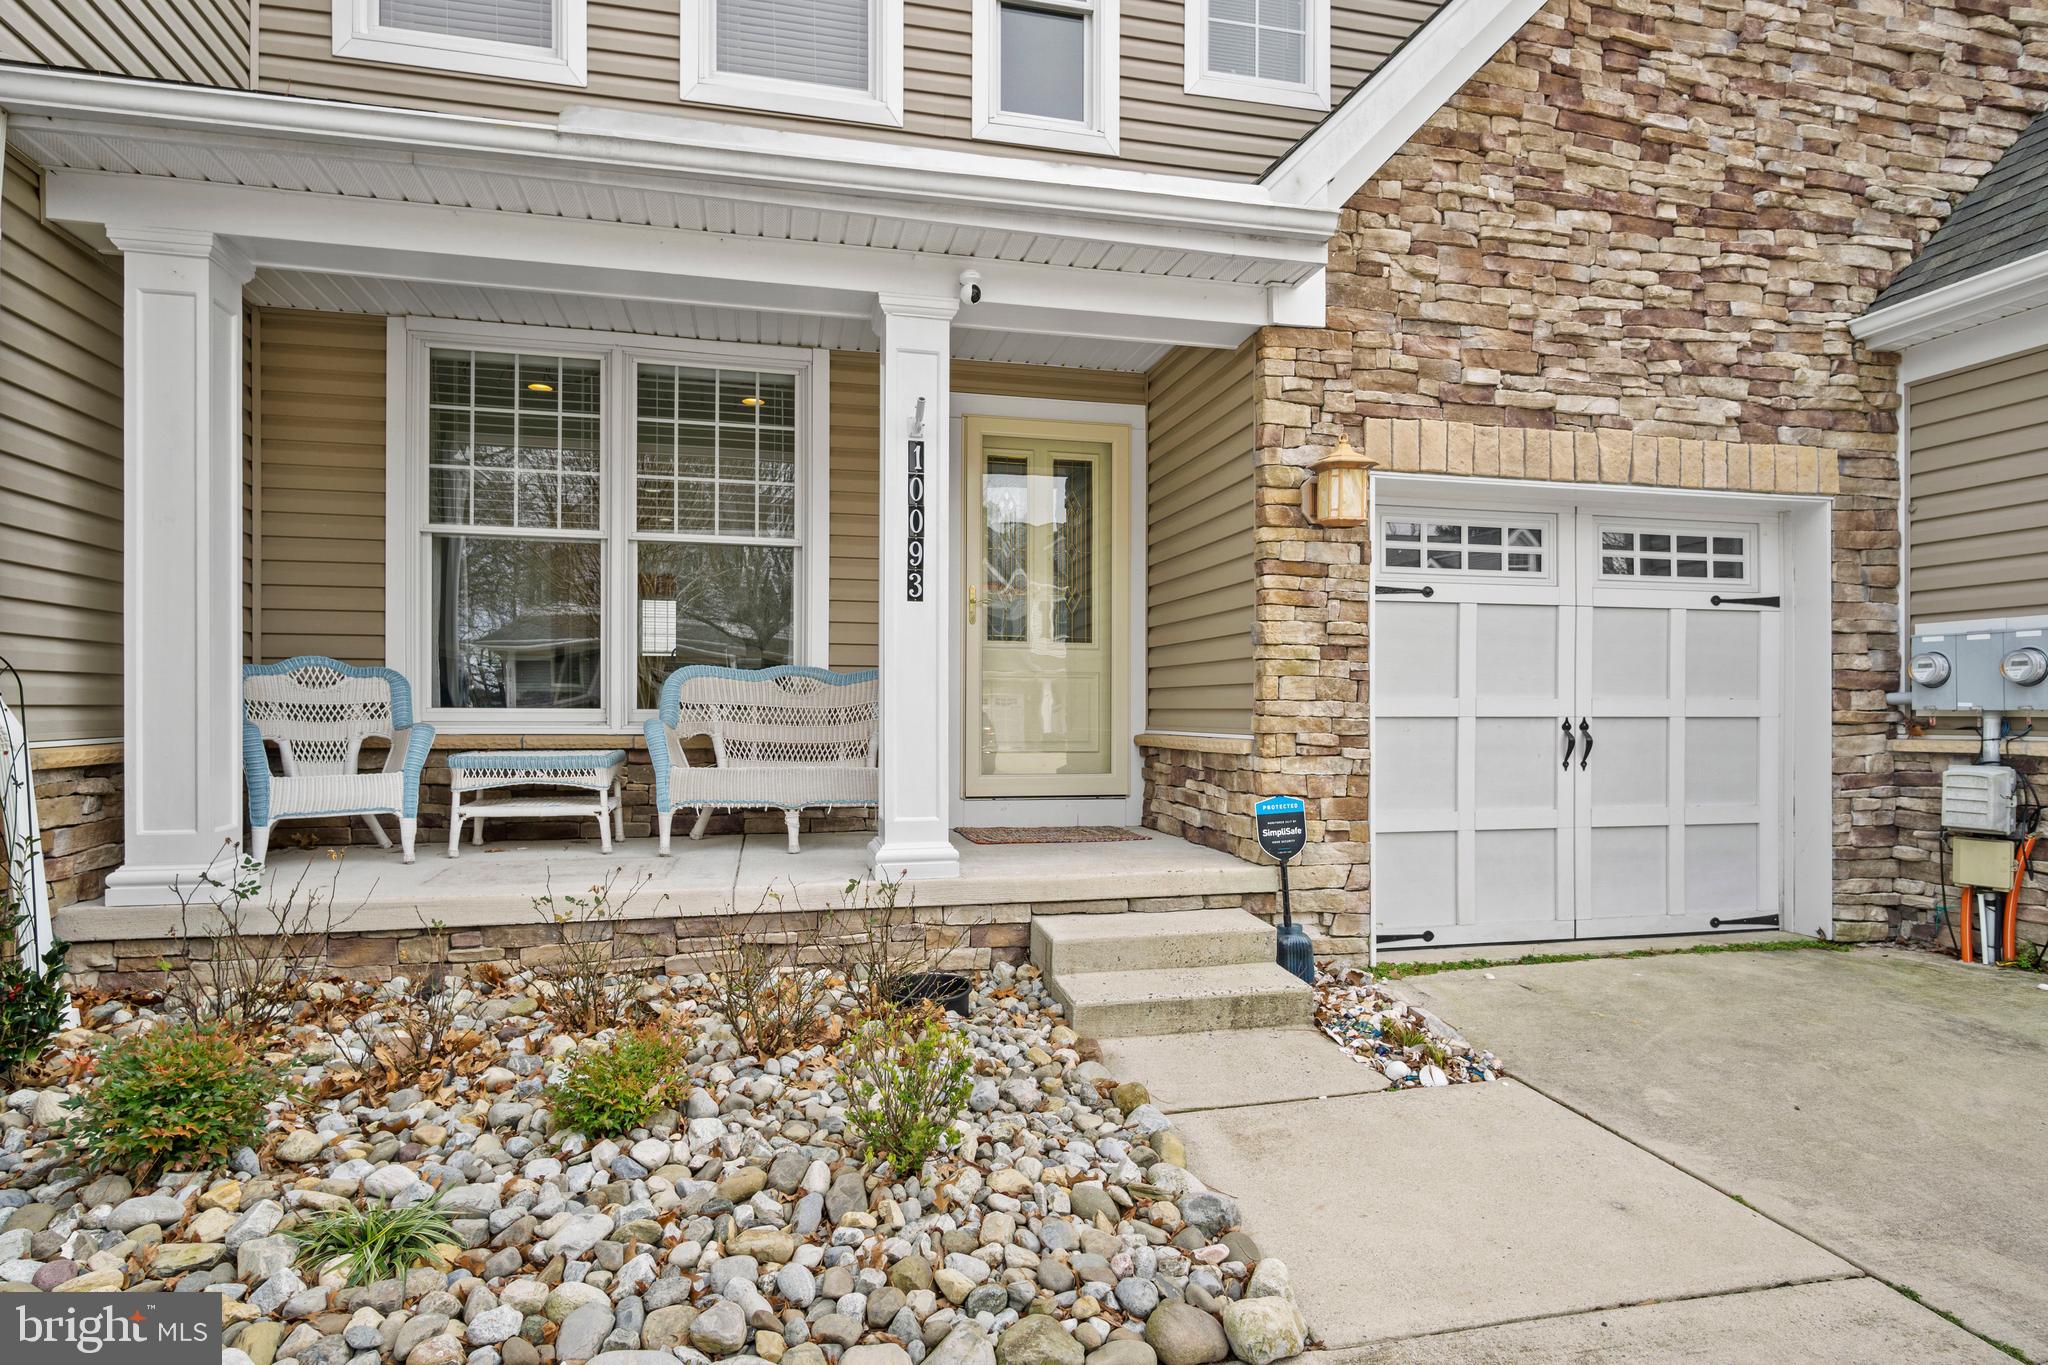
(326, 291)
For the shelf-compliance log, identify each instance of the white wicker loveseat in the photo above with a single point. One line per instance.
(318, 712)
(787, 739)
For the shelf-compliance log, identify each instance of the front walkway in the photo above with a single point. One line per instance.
(1726, 1157)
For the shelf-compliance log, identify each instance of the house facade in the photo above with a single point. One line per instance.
(537, 348)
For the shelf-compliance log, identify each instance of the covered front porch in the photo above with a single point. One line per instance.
(900, 439)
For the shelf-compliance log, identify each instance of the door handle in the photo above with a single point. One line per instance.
(1386, 590)
(1571, 741)
(970, 606)
(1721, 601)
(1585, 733)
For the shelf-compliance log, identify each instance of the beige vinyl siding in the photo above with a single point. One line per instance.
(1977, 491)
(60, 469)
(320, 466)
(856, 476)
(635, 59)
(202, 41)
(1198, 546)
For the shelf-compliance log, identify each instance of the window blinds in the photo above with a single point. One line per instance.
(816, 42)
(1266, 39)
(526, 23)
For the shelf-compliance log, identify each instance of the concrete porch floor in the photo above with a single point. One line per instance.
(497, 883)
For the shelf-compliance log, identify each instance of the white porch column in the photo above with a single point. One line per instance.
(182, 560)
(916, 632)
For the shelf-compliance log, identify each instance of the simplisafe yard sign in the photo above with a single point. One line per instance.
(1283, 826)
(1282, 822)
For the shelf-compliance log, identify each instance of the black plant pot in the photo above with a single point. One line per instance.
(948, 990)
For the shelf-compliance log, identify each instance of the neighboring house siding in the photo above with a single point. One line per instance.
(203, 41)
(1198, 548)
(1977, 491)
(635, 63)
(60, 467)
(856, 475)
(320, 464)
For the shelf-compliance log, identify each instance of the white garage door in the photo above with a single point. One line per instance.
(1575, 721)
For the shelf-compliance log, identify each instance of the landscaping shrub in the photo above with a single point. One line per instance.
(580, 986)
(765, 978)
(374, 1242)
(615, 1089)
(32, 993)
(188, 1096)
(908, 1081)
(891, 948)
(250, 948)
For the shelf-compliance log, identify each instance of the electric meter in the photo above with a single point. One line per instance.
(2024, 667)
(1930, 669)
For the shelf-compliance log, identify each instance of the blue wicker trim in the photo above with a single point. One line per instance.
(255, 774)
(401, 690)
(537, 760)
(657, 753)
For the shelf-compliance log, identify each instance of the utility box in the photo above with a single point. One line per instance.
(1982, 862)
(1954, 666)
(1978, 798)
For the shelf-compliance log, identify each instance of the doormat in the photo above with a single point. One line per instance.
(1048, 834)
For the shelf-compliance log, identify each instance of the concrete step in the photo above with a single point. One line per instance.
(1067, 945)
(1183, 1000)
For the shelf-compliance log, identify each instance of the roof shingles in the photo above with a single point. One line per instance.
(2003, 219)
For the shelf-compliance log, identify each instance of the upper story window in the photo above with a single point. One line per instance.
(1045, 73)
(835, 59)
(532, 40)
(1263, 51)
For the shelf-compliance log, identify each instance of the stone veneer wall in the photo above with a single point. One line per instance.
(1917, 768)
(78, 805)
(1628, 251)
(962, 937)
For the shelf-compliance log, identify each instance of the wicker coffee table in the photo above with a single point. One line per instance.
(587, 782)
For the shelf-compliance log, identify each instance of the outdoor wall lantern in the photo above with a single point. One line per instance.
(1336, 496)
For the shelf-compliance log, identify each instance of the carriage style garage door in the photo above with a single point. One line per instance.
(1575, 723)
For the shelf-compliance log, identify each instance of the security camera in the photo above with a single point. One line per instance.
(970, 286)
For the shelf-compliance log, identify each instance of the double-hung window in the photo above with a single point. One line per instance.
(1262, 51)
(1045, 73)
(833, 59)
(533, 40)
(575, 516)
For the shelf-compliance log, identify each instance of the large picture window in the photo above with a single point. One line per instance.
(575, 521)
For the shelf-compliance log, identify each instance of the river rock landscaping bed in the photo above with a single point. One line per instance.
(1060, 1226)
(1411, 1047)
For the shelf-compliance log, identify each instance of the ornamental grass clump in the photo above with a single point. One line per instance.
(375, 1242)
(908, 1081)
(186, 1096)
(617, 1088)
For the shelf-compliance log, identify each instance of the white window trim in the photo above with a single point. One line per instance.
(881, 103)
(358, 35)
(1312, 93)
(1099, 135)
(408, 621)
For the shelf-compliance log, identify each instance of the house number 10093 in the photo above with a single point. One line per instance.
(914, 583)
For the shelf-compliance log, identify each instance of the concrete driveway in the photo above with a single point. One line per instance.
(1732, 1157)
(1890, 1107)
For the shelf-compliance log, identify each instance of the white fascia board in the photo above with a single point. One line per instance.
(1997, 293)
(1345, 149)
(1984, 344)
(673, 152)
(288, 229)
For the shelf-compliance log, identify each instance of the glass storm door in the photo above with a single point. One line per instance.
(1046, 711)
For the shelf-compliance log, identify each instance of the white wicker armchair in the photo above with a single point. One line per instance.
(318, 712)
(786, 739)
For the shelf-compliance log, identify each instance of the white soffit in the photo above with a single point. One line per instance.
(324, 292)
(674, 173)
